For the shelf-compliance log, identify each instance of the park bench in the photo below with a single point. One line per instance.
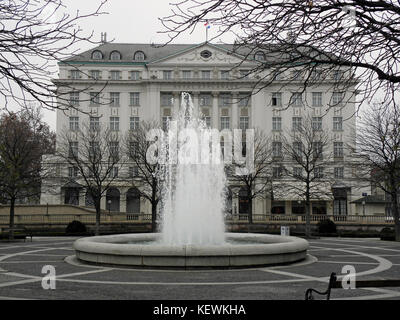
(337, 284)
(19, 233)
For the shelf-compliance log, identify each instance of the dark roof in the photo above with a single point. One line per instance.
(152, 52)
(372, 199)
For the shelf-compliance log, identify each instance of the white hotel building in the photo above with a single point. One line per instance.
(141, 82)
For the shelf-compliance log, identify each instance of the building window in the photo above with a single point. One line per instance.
(316, 75)
(337, 98)
(165, 122)
(297, 172)
(167, 74)
(318, 172)
(277, 149)
(206, 74)
(318, 207)
(244, 99)
(277, 75)
(259, 56)
(337, 75)
(133, 172)
(225, 123)
(114, 150)
(115, 55)
(97, 55)
(73, 172)
(95, 74)
(134, 75)
(74, 98)
(113, 172)
(114, 123)
(296, 99)
(167, 99)
(205, 100)
(225, 100)
(134, 99)
(338, 149)
(187, 74)
(139, 56)
(75, 74)
(244, 74)
(73, 149)
(337, 123)
(316, 123)
(115, 75)
(276, 123)
(339, 172)
(134, 123)
(244, 123)
(317, 150)
(317, 99)
(298, 207)
(94, 123)
(224, 75)
(277, 172)
(297, 150)
(296, 75)
(207, 120)
(276, 99)
(114, 97)
(296, 123)
(278, 207)
(74, 123)
(94, 98)
(94, 150)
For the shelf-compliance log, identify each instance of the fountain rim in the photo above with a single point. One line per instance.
(265, 249)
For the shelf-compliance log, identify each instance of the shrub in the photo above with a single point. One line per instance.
(387, 233)
(75, 227)
(326, 226)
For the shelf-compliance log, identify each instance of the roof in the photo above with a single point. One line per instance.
(372, 199)
(152, 52)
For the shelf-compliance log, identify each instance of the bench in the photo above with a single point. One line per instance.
(19, 233)
(337, 284)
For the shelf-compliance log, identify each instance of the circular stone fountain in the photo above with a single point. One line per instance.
(146, 250)
(193, 202)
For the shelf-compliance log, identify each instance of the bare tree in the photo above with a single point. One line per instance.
(258, 182)
(305, 159)
(24, 138)
(378, 145)
(96, 154)
(315, 37)
(147, 181)
(35, 35)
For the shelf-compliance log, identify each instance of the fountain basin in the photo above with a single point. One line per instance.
(246, 250)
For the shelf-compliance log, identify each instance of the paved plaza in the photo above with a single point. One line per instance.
(21, 276)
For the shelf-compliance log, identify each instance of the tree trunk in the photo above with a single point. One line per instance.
(12, 214)
(308, 212)
(98, 215)
(250, 215)
(395, 206)
(153, 216)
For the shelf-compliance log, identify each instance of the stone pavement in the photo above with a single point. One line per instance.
(21, 274)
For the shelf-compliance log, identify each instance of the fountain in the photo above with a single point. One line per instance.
(192, 220)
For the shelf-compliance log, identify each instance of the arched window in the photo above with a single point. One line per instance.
(113, 199)
(139, 56)
(259, 56)
(133, 201)
(97, 55)
(115, 55)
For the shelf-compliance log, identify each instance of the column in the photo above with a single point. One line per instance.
(235, 119)
(122, 199)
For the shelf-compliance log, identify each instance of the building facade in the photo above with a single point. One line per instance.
(120, 85)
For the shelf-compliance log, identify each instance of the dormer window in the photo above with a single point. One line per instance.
(97, 55)
(115, 55)
(139, 56)
(259, 56)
